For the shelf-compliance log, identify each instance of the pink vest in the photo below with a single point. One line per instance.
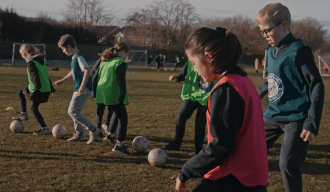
(248, 162)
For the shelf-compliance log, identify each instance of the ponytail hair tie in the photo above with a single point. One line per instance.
(221, 31)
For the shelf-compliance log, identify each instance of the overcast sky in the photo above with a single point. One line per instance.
(318, 9)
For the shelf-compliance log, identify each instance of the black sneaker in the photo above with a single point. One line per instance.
(172, 146)
(21, 116)
(42, 131)
(109, 140)
(121, 150)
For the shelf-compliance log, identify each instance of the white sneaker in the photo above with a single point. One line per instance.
(93, 135)
(105, 128)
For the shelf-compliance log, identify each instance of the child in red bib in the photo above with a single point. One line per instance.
(235, 158)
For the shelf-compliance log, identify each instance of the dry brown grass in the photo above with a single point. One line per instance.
(30, 163)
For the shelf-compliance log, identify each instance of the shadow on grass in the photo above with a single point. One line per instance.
(275, 151)
(134, 158)
(308, 167)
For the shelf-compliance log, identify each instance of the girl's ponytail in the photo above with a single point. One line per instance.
(113, 51)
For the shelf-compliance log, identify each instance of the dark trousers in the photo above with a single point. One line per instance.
(108, 116)
(119, 119)
(177, 65)
(293, 150)
(226, 184)
(34, 106)
(185, 113)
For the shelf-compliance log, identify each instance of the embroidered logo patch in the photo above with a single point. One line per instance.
(204, 86)
(275, 88)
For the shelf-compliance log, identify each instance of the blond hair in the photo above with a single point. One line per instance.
(26, 49)
(66, 40)
(276, 13)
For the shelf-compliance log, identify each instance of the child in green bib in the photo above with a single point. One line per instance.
(195, 93)
(110, 89)
(39, 87)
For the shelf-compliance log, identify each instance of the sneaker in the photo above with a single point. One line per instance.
(172, 146)
(78, 137)
(42, 131)
(21, 116)
(109, 140)
(93, 135)
(105, 128)
(121, 150)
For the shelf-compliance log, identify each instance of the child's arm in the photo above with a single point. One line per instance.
(121, 79)
(182, 75)
(95, 67)
(306, 65)
(63, 80)
(227, 109)
(34, 75)
(51, 87)
(84, 81)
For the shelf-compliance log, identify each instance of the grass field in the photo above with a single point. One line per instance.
(32, 163)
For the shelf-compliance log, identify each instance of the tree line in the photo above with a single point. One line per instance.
(167, 23)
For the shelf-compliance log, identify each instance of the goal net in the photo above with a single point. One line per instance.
(17, 58)
(137, 58)
(324, 62)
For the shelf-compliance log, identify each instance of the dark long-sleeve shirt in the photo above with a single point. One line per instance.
(308, 71)
(34, 74)
(227, 112)
(182, 75)
(121, 78)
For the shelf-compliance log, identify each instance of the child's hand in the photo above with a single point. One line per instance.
(180, 187)
(53, 93)
(307, 135)
(58, 83)
(171, 78)
(80, 92)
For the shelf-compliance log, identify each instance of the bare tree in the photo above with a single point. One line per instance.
(88, 13)
(310, 31)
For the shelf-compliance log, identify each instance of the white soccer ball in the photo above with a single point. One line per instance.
(59, 131)
(16, 126)
(140, 144)
(157, 157)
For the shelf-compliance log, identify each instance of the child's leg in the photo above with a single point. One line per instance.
(113, 124)
(22, 100)
(273, 131)
(36, 113)
(121, 115)
(99, 114)
(200, 123)
(185, 113)
(292, 155)
(75, 107)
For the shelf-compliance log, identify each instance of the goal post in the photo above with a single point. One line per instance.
(17, 58)
(323, 64)
(138, 58)
(265, 66)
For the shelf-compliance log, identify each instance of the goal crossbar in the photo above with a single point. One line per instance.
(18, 44)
